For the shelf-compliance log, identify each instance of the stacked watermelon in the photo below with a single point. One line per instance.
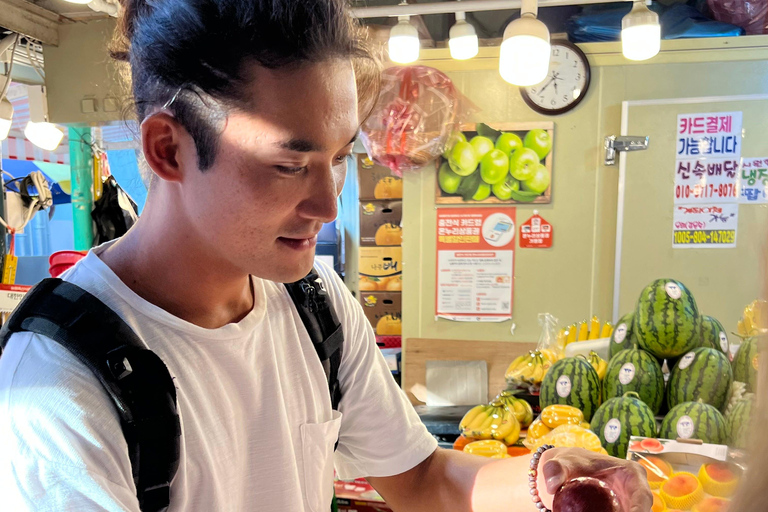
(620, 418)
(702, 374)
(694, 420)
(737, 421)
(623, 336)
(572, 381)
(637, 371)
(667, 320)
(745, 364)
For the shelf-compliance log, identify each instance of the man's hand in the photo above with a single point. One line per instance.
(627, 479)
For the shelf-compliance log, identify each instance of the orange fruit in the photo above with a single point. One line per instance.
(711, 504)
(655, 480)
(682, 490)
(389, 326)
(388, 188)
(389, 234)
(392, 284)
(658, 504)
(719, 479)
(368, 284)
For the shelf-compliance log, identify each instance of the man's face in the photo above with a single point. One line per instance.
(278, 171)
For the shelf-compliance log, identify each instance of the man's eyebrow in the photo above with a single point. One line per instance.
(354, 137)
(299, 145)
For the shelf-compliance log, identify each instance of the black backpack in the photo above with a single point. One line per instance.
(137, 380)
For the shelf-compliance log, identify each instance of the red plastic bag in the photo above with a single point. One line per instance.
(747, 14)
(417, 110)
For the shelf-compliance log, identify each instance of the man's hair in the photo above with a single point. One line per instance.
(193, 56)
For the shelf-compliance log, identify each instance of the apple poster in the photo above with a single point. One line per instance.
(497, 163)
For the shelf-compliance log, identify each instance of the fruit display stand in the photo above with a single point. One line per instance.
(358, 496)
(688, 476)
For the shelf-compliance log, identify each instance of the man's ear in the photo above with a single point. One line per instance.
(162, 140)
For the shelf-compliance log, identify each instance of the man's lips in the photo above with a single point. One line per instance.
(299, 243)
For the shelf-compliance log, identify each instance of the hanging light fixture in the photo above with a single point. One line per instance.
(39, 131)
(640, 32)
(404, 41)
(463, 39)
(6, 118)
(524, 54)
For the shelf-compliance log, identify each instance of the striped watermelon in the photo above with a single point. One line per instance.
(737, 422)
(572, 381)
(667, 319)
(623, 336)
(745, 364)
(713, 334)
(694, 420)
(620, 418)
(702, 374)
(638, 371)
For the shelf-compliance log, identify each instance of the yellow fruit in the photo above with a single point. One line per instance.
(471, 415)
(572, 331)
(487, 448)
(389, 234)
(369, 284)
(598, 363)
(388, 188)
(554, 416)
(583, 331)
(392, 284)
(388, 325)
(538, 429)
(585, 425)
(531, 369)
(607, 330)
(520, 408)
(567, 436)
(594, 328)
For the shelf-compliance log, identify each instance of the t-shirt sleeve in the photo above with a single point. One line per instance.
(62, 445)
(381, 434)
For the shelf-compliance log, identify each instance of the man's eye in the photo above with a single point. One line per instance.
(289, 170)
(341, 159)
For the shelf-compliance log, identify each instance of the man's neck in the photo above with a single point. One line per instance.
(171, 270)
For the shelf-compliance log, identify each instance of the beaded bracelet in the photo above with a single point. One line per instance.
(533, 473)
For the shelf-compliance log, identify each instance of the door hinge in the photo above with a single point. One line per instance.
(614, 144)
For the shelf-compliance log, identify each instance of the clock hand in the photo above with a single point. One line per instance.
(551, 81)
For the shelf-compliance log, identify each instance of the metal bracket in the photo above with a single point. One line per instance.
(614, 144)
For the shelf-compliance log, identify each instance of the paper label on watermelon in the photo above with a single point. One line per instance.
(685, 427)
(686, 361)
(627, 373)
(564, 386)
(673, 291)
(723, 341)
(620, 334)
(612, 430)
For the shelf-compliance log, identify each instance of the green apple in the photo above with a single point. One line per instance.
(539, 182)
(482, 145)
(508, 143)
(449, 181)
(483, 192)
(494, 167)
(463, 159)
(539, 141)
(504, 189)
(522, 164)
(453, 138)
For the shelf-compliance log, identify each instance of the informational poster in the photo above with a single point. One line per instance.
(475, 263)
(707, 180)
(705, 226)
(754, 181)
(536, 233)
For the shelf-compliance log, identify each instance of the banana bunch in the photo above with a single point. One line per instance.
(587, 330)
(598, 363)
(492, 421)
(754, 320)
(521, 409)
(529, 368)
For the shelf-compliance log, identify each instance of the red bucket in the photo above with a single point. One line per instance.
(63, 260)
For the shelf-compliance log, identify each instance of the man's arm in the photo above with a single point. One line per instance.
(452, 481)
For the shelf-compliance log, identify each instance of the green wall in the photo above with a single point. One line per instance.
(574, 279)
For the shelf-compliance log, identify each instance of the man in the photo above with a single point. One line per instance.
(248, 111)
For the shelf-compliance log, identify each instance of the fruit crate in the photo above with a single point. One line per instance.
(600, 346)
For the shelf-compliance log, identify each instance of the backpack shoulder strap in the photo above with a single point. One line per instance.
(135, 378)
(320, 320)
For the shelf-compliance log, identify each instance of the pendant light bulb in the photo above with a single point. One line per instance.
(463, 39)
(525, 50)
(640, 33)
(404, 42)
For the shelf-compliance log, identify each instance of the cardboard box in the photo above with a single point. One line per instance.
(384, 311)
(376, 181)
(380, 223)
(381, 269)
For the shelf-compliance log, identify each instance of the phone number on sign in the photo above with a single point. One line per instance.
(701, 191)
(715, 236)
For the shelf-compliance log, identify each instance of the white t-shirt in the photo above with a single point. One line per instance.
(258, 430)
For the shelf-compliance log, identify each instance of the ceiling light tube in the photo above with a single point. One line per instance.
(525, 50)
(404, 42)
(463, 39)
(640, 32)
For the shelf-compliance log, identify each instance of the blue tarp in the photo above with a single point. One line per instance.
(52, 172)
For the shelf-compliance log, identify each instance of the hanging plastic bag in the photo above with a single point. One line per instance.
(747, 14)
(114, 213)
(548, 339)
(417, 110)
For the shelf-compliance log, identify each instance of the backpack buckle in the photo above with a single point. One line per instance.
(118, 363)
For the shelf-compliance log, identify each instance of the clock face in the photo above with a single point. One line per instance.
(566, 83)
